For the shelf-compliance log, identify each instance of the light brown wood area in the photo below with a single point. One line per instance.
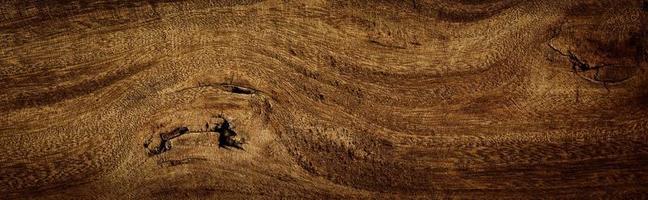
(320, 99)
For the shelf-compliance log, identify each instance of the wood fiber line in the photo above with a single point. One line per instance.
(324, 99)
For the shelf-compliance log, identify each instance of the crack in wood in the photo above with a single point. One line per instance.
(227, 137)
(238, 89)
(579, 65)
(165, 140)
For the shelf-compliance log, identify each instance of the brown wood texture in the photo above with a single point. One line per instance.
(318, 99)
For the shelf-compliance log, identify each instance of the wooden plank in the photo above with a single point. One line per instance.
(323, 99)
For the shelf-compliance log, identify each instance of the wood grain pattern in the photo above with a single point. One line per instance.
(479, 99)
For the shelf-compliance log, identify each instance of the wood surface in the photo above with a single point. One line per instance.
(323, 99)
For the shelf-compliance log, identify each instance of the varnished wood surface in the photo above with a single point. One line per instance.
(478, 99)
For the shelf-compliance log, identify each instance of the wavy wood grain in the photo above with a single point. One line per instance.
(328, 99)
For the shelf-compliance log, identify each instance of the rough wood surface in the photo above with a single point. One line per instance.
(323, 99)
